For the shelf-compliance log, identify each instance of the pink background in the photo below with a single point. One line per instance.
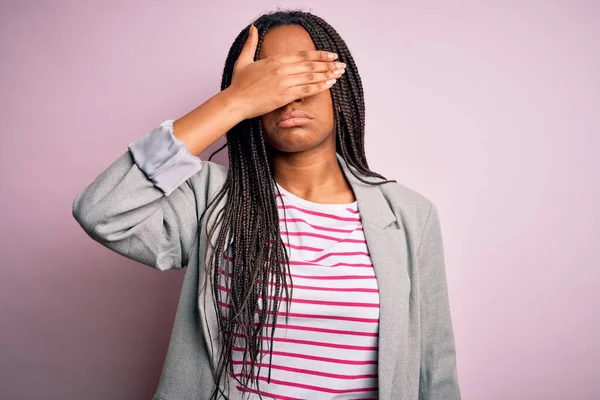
(490, 109)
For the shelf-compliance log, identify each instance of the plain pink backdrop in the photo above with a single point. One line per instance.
(490, 109)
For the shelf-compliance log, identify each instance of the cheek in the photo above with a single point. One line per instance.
(325, 104)
(268, 122)
(326, 115)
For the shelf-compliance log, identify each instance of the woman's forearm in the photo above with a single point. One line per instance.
(205, 124)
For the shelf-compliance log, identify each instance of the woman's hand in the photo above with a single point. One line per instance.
(265, 85)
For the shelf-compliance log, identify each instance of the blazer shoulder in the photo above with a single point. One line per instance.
(411, 207)
(400, 195)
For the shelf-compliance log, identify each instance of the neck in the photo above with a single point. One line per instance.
(313, 175)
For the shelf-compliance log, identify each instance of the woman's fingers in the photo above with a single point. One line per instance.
(313, 77)
(301, 91)
(310, 66)
(307, 55)
(310, 72)
(307, 72)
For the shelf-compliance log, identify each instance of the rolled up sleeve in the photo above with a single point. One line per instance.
(164, 159)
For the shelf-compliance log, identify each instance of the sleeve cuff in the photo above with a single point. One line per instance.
(164, 159)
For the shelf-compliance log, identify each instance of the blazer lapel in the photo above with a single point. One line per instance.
(387, 247)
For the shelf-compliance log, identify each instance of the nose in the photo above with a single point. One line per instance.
(291, 102)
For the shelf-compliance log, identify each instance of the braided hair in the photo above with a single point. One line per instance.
(259, 261)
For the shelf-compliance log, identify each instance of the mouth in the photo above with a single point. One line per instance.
(293, 118)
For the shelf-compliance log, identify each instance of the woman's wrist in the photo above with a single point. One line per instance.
(234, 104)
(208, 122)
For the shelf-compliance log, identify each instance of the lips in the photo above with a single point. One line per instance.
(292, 118)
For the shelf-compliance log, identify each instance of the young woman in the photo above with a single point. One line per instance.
(309, 276)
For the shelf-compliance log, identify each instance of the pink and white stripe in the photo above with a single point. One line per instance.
(328, 348)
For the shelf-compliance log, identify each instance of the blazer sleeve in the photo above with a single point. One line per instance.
(143, 205)
(438, 375)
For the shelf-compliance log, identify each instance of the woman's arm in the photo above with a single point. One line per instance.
(438, 377)
(144, 205)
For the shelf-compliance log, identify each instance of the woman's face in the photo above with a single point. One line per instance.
(289, 39)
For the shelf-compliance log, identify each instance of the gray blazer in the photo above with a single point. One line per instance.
(146, 206)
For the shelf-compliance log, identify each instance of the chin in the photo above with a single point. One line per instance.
(296, 145)
(292, 139)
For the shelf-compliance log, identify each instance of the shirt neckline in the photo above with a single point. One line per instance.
(316, 206)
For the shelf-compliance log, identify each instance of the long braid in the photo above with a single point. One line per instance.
(259, 261)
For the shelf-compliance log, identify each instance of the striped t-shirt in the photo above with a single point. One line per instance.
(328, 349)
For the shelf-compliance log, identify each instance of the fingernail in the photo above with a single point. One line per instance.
(332, 56)
(338, 71)
(340, 65)
(330, 82)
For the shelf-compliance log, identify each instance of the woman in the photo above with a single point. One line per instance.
(312, 276)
